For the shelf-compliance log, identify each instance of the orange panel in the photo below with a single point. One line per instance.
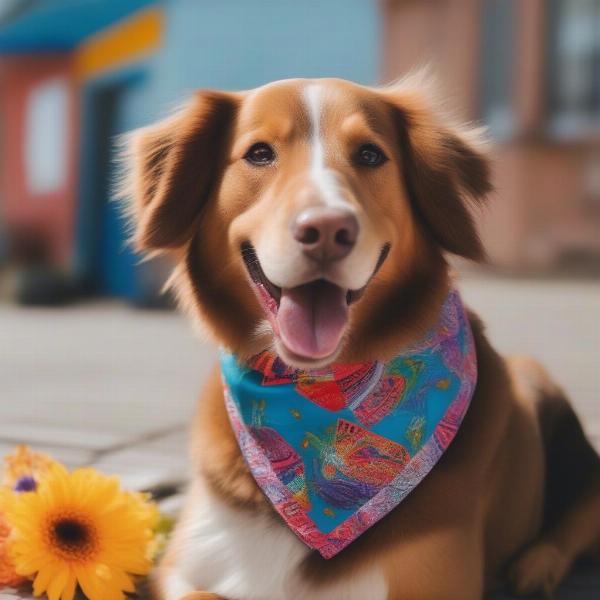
(124, 42)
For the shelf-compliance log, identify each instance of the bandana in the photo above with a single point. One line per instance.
(338, 448)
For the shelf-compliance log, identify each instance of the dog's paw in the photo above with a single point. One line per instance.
(540, 569)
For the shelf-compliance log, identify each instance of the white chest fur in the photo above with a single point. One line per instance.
(243, 556)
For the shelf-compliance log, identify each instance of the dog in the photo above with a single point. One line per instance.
(313, 219)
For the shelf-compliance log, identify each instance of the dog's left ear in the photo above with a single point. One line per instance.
(173, 168)
(444, 168)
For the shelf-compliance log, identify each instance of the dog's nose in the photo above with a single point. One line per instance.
(326, 233)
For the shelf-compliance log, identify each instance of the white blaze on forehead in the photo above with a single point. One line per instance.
(312, 95)
(324, 179)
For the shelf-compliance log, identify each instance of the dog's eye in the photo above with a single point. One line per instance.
(370, 155)
(260, 154)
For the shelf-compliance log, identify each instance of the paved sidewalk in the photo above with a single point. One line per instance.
(557, 322)
(103, 384)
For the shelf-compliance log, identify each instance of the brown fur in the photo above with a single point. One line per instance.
(168, 189)
(443, 170)
(499, 487)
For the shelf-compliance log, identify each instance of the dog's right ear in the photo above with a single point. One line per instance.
(173, 167)
(445, 167)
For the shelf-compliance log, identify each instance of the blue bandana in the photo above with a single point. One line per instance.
(336, 449)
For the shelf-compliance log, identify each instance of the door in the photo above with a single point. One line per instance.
(115, 267)
(110, 263)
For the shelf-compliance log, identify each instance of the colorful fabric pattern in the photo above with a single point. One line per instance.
(336, 449)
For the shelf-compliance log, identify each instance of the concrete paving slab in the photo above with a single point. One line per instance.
(557, 322)
(103, 370)
(143, 467)
(53, 434)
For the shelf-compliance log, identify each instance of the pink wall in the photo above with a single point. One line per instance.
(547, 201)
(542, 207)
(51, 213)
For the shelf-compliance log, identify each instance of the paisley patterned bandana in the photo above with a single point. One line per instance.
(338, 448)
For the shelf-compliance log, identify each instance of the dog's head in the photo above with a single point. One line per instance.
(309, 215)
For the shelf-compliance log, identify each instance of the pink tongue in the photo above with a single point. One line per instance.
(311, 319)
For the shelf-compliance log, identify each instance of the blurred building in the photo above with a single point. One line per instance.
(530, 69)
(76, 73)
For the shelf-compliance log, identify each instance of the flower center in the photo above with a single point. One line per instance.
(71, 533)
(72, 537)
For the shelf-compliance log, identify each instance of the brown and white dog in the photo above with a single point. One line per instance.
(341, 201)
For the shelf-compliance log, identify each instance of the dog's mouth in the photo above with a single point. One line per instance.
(310, 319)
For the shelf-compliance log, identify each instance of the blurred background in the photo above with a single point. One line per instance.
(76, 73)
(92, 375)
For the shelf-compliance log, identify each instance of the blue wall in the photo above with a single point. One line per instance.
(240, 44)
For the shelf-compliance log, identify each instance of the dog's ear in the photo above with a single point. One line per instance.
(444, 168)
(173, 167)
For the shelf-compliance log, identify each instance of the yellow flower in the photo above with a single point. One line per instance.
(23, 464)
(81, 529)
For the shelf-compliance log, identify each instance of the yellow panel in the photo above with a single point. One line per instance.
(128, 40)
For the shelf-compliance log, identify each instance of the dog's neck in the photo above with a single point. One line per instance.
(335, 449)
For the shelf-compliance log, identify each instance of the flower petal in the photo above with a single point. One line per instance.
(42, 580)
(57, 584)
(69, 589)
(89, 584)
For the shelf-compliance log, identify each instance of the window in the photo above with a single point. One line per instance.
(574, 68)
(497, 65)
(46, 136)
